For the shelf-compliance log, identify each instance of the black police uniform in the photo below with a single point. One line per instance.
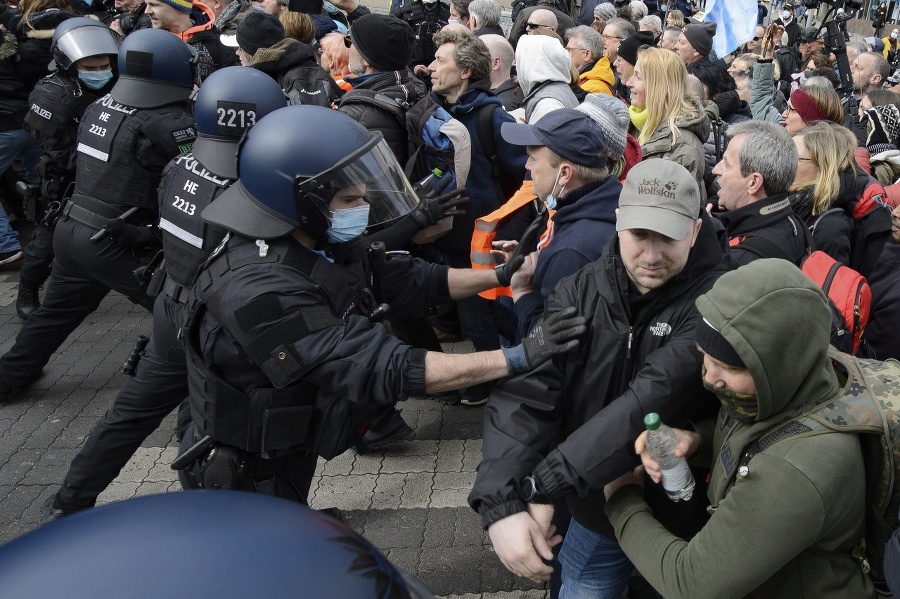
(56, 107)
(284, 363)
(122, 151)
(425, 20)
(159, 383)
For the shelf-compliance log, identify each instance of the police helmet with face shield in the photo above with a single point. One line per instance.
(230, 101)
(294, 161)
(81, 37)
(156, 69)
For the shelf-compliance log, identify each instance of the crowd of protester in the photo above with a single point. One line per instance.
(653, 167)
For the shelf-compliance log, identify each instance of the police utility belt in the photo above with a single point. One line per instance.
(178, 293)
(90, 211)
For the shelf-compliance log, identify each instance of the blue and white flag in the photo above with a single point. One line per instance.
(735, 23)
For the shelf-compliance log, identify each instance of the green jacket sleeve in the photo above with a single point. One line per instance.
(755, 531)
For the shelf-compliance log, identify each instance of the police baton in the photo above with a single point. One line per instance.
(102, 233)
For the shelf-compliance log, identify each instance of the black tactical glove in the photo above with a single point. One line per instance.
(128, 235)
(527, 244)
(555, 334)
(433, 208)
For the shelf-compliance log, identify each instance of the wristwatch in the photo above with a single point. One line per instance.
(530, 493)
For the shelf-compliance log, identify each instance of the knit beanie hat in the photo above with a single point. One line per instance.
(611, 115)
(605, 10)
(184, 6)
(713, 343)
(806, 107)
(700, 36)
(386, 42)
(884, 125)
(629, 47)
(259, 30)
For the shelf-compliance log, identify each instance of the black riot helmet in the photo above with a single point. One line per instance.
(229, 102)
(293, 163)
(156, 68)
(81, 37)
(201, 544)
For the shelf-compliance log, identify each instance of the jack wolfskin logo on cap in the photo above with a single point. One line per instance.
(655, 187)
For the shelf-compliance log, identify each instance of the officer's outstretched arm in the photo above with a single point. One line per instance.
(556, 334)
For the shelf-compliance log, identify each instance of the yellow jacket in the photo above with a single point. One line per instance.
(599, 79)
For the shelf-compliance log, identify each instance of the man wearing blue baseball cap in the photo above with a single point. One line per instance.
(572, 153)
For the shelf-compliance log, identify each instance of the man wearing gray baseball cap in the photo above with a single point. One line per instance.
(568, 428)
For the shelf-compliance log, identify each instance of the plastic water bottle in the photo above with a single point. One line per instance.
(677, 479)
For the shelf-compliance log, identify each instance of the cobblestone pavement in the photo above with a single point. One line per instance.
(409, 501)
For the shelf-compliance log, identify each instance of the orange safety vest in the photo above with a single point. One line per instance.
(486, 230)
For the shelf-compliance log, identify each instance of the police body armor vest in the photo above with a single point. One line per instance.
(108, 168)
(291, 416)
(425, 23)
(57, 102)
(186, 189)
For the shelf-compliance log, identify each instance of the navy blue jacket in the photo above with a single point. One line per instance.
(584, 222)
(485, 193)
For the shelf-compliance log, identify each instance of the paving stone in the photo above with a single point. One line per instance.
(409, 463)
(417, 490)
(396, 528)
(389, 490)
(118, 491)
(49, 469)
(340, 465)
(450, 456)
(19, 464)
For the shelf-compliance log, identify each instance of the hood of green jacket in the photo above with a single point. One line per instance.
(779, 323)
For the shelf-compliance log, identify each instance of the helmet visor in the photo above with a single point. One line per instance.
(87, 41)
(371, 174)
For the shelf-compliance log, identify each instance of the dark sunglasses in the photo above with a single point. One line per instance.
(756, 38)
(532, 25)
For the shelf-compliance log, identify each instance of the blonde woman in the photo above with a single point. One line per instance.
(827, 178)
(666, 119)
(674, 18)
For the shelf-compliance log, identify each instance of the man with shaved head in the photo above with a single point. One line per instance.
(541, 18)
(502, 59)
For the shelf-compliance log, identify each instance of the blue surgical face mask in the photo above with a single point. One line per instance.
(330, 7)
(95, 79)
(348, 223)
(552, 199)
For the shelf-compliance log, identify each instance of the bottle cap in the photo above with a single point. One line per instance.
(652, 421)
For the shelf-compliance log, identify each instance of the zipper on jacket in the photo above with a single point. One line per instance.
(630, 339)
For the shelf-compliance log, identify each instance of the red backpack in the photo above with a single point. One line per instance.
(849, 296)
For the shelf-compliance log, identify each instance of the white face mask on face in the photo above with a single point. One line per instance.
(785, 16)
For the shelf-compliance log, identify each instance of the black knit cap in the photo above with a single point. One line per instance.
(700, 35)
(713, 343)
(259, 30)
(385, 42)
(629, 47)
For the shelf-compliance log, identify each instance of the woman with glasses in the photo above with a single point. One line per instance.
(812, 103)
(666, 119)
(827, 178)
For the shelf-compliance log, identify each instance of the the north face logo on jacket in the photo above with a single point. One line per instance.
(661, 329)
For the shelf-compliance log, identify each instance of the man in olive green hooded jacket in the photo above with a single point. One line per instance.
(784, 527)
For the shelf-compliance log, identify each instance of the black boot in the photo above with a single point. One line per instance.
(53, 509)
(387, 430)
(27, 302)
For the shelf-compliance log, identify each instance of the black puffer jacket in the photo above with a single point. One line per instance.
(573, 421)
(399, 86)
(292, 65)
(833, 229)
(24, 56)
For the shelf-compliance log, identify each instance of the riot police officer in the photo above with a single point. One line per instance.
(227, 104)
(286, 358)
(82, 49)
(124, 141)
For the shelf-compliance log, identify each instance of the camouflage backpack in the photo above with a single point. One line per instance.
(869, 405)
